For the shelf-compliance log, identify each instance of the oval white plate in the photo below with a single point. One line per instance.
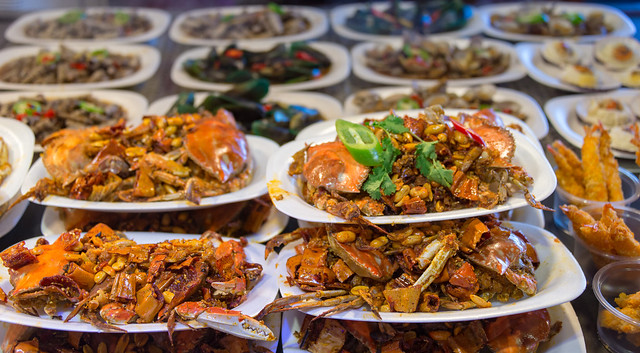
(340, 14)
(318, 25)
(559, 278)
(328, 127)
(549, 75)
(339, 71)
(133, 103)
(263, 293)
(20, 140)
(562, 115)
(159, 23)
(149, 63)
(285, 190)
(11, 218)
(52, 224)
(515, 71)
(569, 339)
(328, 106)
(623, 25)
(261, 148)
(536, 119)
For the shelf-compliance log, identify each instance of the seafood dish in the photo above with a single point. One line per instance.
(429, 267)
(27, 339)
(268, 21)
(580, 75)
(608, 111)
(421, 58)
(79, 24)
(230, 220)
(628, 305)
(5, 166)
(45, 116)
(631, 78)
(184, 157)
(498, 335)
(477, 97)
(617, 53)
(69, 66)
(430, 163)
(424, 18)
(282, 64)
(561, 53)
(548, 21)
(596, 177)
(109, 280)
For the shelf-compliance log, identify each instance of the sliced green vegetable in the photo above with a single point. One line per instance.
(533, 18)
(575, 18)
(48, 57)
(72, 16)
(90, 107)
(407, 103)
(361, 142)
(27, 107)
(100, 52)
(275, 8)
(121, 18)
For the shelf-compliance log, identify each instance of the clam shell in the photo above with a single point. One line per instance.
(603, 52)
(582, 111)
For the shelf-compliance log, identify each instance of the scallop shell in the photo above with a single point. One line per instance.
(560, 52)
(617, 53)
(580, 76)
(625, 117)
(631, 78)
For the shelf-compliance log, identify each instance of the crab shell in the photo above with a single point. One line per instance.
(216, 145)
(331, 165)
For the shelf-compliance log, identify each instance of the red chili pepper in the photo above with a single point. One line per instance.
(78, 65)
(21, 117)
(258, 66)
(418, 100)
(304, 56)
(469, 133)
(234, 53)
(267, 107)
(49, 114)
(487, 69)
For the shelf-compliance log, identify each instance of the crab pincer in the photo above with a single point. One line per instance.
(229, 321)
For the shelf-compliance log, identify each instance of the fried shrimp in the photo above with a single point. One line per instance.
(572, 159)
(594, 183)
(636, 140)
(610, 167)
(567, 178)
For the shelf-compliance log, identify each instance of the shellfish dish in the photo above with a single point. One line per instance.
(109, 280)
(78, 24)
(46, 116)
(183, 157)
(421, 58)
(521, 332)
(69, 66)
(445, 265)
(412, 165)
(284, 63)
(5, 166)
(271, 21)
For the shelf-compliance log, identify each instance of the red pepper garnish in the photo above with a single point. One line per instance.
(233, 53)
(267, 107)
(49, 114)
(258, 66)
(21, 117)
(487, 69)
(469, 133)
(78, 65)
(304, 56)
(418, 100)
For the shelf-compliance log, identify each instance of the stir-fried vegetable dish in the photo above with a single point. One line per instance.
(284, 63)
(69, 66)
(551, 22)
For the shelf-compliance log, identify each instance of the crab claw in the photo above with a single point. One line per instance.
(228, 321)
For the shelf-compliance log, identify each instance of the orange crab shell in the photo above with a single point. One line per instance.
(331, 165)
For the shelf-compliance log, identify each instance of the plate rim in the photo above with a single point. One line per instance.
(24, 139)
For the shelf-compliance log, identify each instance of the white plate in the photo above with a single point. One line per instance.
(261, 148)
(328, 106)
(549, 75)
(285, 190)
(10, 218)
(159, 23)
(559, 278)
(623, 25)
(569, 339)
(318, 25)
(536, 119)
(514, 72)
(52, 224)
(133, 103)
(149, 63)
(337, 54)
(329, 127)
(20, 140)
(340, 14)
(562, 115)
(263, 293)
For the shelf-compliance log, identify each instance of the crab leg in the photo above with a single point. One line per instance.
(354, 304)
(327, 302)
(283, 304)
(447, 250)
(228, 321)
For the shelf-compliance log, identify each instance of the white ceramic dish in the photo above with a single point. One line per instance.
(328, 106)
(623, 25)
(536, 119)
(149, 63)
(285, 190)
(559, 278)
(52, 224)
(261, 148)
(514, 72)
(318, 25)
(549, 75)
(340, 14)
(20, 140)
(569, 339)
(339, 71)
(263, 293)
(328, 127)
(11, 218)
(562, 115)
(159, 23)
(133, 103)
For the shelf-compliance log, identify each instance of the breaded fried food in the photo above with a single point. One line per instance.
(636, 140)
(610, 167)
(630, 306)
(594, 184)
(567, 178)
